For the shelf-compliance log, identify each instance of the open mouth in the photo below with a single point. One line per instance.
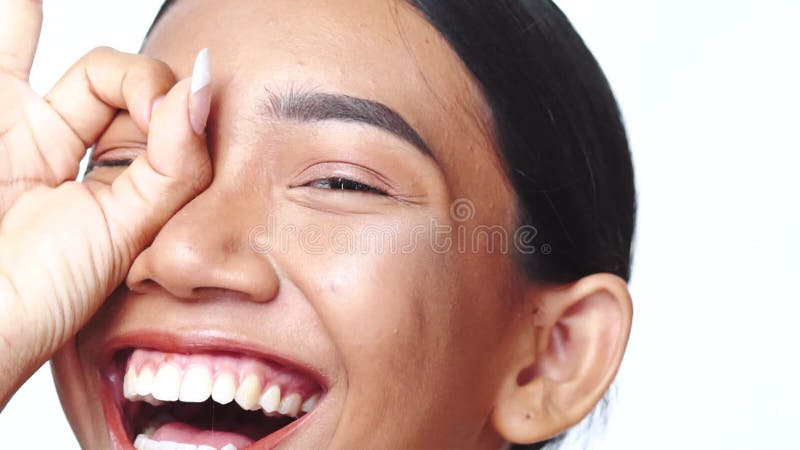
(203, 401)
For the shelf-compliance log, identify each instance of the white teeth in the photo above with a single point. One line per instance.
(140, 440)
(249, 393)
(129, 383)
(271, 399)
(145, 443)
(309, 404)
(196, 385)
(224, 388)
(144, 382)
(290, 405)
(167, 384)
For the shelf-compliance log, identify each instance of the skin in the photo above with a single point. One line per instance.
(436, 349)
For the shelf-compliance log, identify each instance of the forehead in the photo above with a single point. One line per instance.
(383, 50)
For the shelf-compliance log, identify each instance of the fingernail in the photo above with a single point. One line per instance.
(200, 99)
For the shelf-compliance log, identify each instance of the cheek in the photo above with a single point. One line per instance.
(385, 310)
(415, 331)
(388, 317)
(74, 385)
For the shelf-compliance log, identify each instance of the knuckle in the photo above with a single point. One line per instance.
(151, 72)
(157, 66)
(102, 51)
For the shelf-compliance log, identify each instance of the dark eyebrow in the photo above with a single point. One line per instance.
(319, 106)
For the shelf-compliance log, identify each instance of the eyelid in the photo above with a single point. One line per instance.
(118, 153)
(345, 170)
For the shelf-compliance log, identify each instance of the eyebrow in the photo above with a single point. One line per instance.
(320, 106)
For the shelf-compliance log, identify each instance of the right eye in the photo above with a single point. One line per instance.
(121, 155)
(94, 164)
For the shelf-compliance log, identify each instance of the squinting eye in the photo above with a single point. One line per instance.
(108, 163)
(344, 184)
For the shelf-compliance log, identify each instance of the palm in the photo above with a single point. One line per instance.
(39, 152)
(63, 245)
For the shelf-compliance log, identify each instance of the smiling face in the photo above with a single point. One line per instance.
(321, 123)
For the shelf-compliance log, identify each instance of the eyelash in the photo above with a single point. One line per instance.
(344, 184)
(108, 163)
(354, 186)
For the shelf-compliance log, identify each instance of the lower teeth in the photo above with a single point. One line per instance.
(144, 442)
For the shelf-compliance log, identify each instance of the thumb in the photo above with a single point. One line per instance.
(175, 168)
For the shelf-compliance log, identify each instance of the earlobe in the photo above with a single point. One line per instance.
(568, 354)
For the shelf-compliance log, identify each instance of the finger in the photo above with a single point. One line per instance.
(87, 98)
(20, 25)
(105, 80)
(175, 168)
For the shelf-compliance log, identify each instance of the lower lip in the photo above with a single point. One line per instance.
(112, 409)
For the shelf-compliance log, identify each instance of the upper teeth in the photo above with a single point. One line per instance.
(196, 384)
(145, 443)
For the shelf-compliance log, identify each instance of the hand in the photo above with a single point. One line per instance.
(65, 246)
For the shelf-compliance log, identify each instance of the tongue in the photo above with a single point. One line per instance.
(187, 434)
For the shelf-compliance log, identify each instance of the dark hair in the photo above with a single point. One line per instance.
(558, 130)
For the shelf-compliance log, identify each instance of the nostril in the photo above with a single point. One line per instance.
(144, 286)
(187, 263)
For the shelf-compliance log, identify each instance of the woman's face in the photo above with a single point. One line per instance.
(334, 252)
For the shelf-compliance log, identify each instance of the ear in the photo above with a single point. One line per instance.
(565, 356)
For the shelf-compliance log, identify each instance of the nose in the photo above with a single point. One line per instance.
(204, 252)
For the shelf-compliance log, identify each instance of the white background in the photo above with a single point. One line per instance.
(709, 90)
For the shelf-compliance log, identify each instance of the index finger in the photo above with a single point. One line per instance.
(88, 96)
(20, 25)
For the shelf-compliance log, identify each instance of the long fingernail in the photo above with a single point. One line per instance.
(200, 99)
